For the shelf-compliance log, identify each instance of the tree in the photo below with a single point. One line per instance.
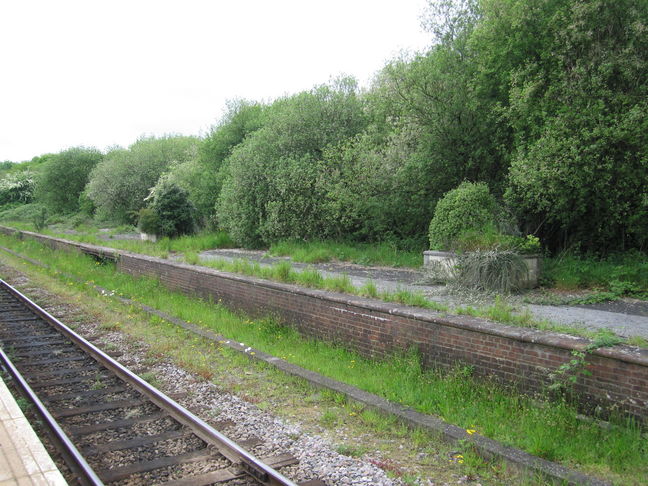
(17, 187)
(64, 177)
(272, 179)
(202, 177)
(175, 215)
(578, 105)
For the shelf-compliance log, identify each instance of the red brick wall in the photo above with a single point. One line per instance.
(515, 356)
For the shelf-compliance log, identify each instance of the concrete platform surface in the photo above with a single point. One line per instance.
(23, 458)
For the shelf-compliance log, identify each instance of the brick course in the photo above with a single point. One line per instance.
(515, 356)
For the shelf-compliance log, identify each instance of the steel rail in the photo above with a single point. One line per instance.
(232, 451)
(73, 458)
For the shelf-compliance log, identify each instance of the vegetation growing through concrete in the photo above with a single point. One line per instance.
(552, 430)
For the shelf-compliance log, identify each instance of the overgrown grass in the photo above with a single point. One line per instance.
(617, 275)
(283, 272)
(383, 254)
(613, 277)
(206, 240)
(551, 430)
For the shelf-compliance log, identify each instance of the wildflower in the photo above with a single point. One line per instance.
(470, 431)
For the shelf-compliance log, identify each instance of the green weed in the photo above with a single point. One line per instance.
(329, 419)
(361, 253)
(351, 450)
(615, 276)
(150, 378)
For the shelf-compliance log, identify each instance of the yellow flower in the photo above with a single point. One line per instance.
(470, 431)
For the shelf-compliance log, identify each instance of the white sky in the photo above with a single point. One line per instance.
(102, 73)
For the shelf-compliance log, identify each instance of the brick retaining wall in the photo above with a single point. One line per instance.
(518, 356)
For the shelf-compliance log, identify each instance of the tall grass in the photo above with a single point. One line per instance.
(625, 273)
(206, 240)
(552, 430)
(361, 253)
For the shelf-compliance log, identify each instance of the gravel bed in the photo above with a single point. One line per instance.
(151, 427)
(110, 415)
(124, 457)
(80, 386)
(80, 401)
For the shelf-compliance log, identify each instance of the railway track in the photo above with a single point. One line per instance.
(111, 426)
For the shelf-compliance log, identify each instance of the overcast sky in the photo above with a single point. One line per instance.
(103, 73)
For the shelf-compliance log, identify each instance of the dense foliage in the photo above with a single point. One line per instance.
(578, 105)
(173, 213)
(468, 208)
(274, 180)
(119, 184)
(542, 102)
(17, 187)
(64, 176)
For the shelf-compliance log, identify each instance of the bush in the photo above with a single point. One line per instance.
(86, 205)
(148, 221)
(468, 208)
(272, 181)
(176, 215)
(121, 182)
(64, 176)
(40, 219)
(24, 212)
(17, 187)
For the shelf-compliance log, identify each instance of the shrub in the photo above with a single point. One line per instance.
(468, 208)
(64, 176)
(272, 180)
(17, 187)
(86, 205)
(148, 221)
(40, 219)
(121, 182)
(24, 212)
(174, 211)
